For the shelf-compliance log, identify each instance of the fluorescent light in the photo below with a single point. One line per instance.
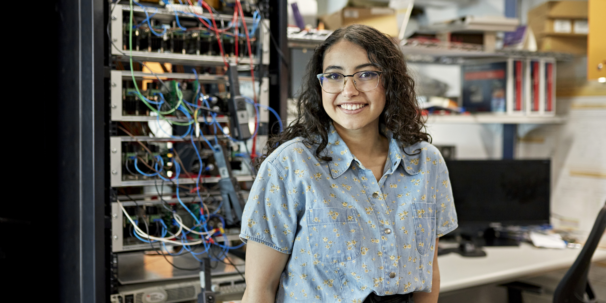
(602, 79)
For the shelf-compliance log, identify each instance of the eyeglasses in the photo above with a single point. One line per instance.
(334, 83)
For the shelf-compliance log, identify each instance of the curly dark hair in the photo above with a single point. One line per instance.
(401, 114)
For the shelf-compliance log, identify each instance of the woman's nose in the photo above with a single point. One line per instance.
(349, 89)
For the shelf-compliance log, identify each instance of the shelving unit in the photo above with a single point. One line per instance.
(494, 119)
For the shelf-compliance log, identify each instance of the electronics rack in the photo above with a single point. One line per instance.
(136, 193)
(118, 37)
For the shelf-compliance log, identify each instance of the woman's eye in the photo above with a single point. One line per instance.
(333, 76)
(367, 75)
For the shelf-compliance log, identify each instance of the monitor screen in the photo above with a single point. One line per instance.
(510, 192)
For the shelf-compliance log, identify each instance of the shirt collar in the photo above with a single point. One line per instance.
(342, 158)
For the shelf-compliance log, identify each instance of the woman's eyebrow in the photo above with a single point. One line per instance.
(365, 65)
(332, 67)
(356, 68)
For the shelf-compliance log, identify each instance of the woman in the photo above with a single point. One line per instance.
(350, 199)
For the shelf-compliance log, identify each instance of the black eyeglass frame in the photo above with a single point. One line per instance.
(352, 75)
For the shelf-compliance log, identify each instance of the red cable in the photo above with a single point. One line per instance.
(252, 75)
(236, 35)
(212, 18)
(206, 24)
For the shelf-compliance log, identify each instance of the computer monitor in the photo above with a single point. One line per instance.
(509, 192)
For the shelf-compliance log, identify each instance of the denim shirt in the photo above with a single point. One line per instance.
(347, 234)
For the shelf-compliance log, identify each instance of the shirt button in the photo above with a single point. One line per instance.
(392, 275)
(388, 231)
(375, 195)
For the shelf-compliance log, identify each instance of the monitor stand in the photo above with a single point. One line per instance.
(491, 238)
(471, 245)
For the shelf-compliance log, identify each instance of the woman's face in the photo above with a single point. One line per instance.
(352, 109)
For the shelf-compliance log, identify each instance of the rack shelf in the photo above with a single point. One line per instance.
(181, 181)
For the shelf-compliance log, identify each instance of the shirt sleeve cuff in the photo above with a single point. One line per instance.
(245, 239)
(448, 230)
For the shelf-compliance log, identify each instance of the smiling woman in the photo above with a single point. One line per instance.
(376, 52)
(350, 199)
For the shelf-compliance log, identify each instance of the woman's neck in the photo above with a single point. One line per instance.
(364, 143)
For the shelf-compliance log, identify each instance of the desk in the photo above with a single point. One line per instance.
(504, 264)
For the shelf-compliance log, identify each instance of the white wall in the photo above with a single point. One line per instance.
(308, 10)
(330, 6)
(449, 74)
(580, 188)
(472, 141)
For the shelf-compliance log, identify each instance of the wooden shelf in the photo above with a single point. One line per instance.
(494, 119)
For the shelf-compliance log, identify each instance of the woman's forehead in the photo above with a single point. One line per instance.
(346, 55)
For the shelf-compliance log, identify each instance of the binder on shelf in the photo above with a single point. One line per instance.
(516, 78)
(485, 86)
(549, 87)
(535, 89)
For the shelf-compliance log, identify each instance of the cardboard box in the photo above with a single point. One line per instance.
(381, 18)
(564, 43)
(560, 26)
(542, 18)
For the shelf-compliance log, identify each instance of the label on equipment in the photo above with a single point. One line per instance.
(223, 172)
(154, 296)
(242, 116)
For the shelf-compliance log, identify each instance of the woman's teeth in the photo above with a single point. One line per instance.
(352, 106)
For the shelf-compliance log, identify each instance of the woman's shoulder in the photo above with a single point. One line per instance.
(421, 148)
(293, 149)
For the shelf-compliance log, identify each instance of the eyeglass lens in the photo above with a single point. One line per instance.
(363, 81)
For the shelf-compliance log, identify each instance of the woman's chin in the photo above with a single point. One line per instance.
(352, 125)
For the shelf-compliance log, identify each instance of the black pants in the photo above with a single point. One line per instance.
(374, 298)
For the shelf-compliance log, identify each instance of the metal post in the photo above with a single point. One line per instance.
(82, 152)
(509, 137)
(278, 69)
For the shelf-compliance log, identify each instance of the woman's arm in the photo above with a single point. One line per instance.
(430, 297)
(263, 268)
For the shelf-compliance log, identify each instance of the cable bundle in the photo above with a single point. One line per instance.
(191, 112)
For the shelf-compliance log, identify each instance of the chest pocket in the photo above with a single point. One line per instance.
(425, 222)
(334, 234)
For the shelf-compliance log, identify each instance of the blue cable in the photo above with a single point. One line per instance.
(139, 171)
(199, 173)
(178, 172)
(176, 16)
(183, 110)
(271, 110)
(147, 241)
(151, 29)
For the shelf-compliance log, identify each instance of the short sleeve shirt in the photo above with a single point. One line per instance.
(348, 234)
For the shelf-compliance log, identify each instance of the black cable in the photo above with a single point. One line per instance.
(161, 196)
(273, 41)
(234, 265)
(129, 171)
(253, 173)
